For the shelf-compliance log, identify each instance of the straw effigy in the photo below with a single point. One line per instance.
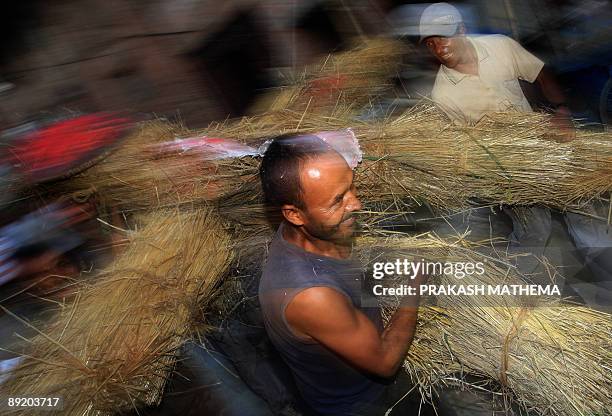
(113, 348)
(354, 78)
(549, 356)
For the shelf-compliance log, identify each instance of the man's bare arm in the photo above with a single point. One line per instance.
(550, 87)
(327, 316)
(553, 93)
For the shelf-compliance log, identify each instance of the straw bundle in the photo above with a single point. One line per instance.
(113, 348)
(418, 156)
(554, 358)
(353, 78)
(137, 176)
(507, 158)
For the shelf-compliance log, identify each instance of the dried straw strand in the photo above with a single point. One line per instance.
(551, 357)
(114, 346)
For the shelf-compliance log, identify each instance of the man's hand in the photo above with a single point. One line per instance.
(412, 301)
(562, 121)
(327, 316)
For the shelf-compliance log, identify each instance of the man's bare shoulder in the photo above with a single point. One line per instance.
(320, 298)
(312, 308)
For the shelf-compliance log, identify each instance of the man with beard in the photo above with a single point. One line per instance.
(310, 291)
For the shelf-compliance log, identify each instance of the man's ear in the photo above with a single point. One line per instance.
(293, 214)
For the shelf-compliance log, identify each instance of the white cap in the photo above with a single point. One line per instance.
(439, 19)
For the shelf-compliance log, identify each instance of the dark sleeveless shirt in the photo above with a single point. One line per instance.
(326, 382)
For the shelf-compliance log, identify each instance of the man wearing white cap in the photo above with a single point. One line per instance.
(481, 74)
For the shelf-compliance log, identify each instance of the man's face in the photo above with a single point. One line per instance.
(449, 51)
(329, 198)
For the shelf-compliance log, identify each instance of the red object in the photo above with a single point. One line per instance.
(65, 146)
(328, 85)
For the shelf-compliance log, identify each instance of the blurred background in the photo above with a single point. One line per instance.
(201, 61)
(207, 60)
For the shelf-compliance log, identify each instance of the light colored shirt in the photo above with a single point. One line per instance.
(502, 62)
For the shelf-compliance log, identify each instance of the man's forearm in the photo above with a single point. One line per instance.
(397, 337)
(562, 117)
(550, 88)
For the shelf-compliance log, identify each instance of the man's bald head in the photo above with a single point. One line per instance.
(282, 164)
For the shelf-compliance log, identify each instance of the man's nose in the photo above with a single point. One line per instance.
(354, 203)
(440, 47)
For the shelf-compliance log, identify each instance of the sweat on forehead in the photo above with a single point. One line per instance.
(323, 178)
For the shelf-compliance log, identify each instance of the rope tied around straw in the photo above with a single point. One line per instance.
(514, 330)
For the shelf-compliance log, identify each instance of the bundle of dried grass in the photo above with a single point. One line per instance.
(509, 158)
(553, 357)
(137, 176)
(353, 78)
(114, 346)
(506, 159)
